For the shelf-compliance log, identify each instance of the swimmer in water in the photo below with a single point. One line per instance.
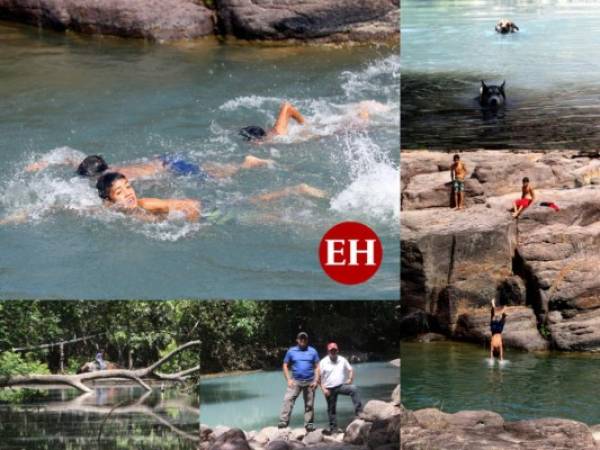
(497, 320)
(257, 134)
(95, 165)
(115, 190)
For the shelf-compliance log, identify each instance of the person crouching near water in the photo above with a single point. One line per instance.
(336, 379)
(497, 320)
(303, 361)
(115, 190)
(526, 200)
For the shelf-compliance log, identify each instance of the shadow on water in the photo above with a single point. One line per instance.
(441, 111)
(111, 418)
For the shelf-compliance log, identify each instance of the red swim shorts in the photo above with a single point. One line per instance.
(523, 202)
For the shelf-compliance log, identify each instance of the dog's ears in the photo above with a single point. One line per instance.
(483, 85)
(502, 85)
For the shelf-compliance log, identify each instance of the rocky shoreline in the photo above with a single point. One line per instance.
(545, 265)
(377, 428)
(433, 429)
(331, 21)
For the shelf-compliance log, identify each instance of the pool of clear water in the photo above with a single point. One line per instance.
(551, 68)
(253, 401)
(113, 417)
(67, 94)
(456, 376)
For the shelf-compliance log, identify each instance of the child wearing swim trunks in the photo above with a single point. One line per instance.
(115, 189)
(526, 200)
(497, 320)
(458, 172)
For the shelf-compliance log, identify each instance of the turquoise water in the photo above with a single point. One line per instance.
(61, 419)
(253, 401)
(65, 94)
(456, 376)
(551, 67)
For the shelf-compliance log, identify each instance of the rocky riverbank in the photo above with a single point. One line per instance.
(545, 265)
(377, 428)
(433, 429)
(165, 20)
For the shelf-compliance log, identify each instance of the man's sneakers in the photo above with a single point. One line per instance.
(332, 430)
(309, 427)
(282, 425)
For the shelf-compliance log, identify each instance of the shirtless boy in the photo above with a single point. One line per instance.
(526, 200)
(497, 320)
(458, 172)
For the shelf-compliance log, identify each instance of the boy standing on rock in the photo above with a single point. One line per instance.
(303, 360)
(458, 172)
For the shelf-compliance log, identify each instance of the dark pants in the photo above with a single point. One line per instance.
(344, 389)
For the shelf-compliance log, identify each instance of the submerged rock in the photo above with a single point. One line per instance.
(159, 20)
(328, 20)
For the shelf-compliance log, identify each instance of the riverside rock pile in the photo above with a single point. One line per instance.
(165, 20)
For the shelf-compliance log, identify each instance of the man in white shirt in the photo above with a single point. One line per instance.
(336, 378)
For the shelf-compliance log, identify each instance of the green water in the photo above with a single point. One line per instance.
(253, 401)
(116, 417)
(457, 376)
(67, 94)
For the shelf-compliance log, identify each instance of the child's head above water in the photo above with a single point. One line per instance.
(115, 188)
(91, 166)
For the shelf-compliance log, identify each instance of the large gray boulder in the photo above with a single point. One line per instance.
(329, 20)
(159, 20)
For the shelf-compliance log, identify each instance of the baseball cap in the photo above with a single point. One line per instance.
(302, 335)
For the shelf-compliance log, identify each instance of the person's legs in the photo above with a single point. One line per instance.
(309, 405)
(461, 198)
(300, 189)
(291, 394)
(331, 408)
(216, 170)
(286, 112)
(350, 389)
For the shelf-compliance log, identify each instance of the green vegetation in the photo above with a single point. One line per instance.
(136, 332)
(252, 335)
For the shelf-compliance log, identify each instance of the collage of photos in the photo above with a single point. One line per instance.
(500, 225)
(199, 225)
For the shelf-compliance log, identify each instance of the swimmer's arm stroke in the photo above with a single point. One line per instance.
(189, 207)
(140, 170)
(42, 164)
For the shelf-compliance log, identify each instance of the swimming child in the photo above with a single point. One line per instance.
(95, 165)
(526, 200)
(497, 320)
(115, 190)
(286, 112)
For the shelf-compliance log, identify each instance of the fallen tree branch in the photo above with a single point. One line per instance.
(78, 381)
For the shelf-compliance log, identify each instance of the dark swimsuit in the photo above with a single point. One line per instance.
(179, 166)
(497, 325)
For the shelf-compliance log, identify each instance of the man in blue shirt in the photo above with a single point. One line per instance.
(303, 361)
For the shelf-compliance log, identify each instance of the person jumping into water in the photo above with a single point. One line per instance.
(497, 321)
(526, 200)
(95, 165)
(114, 188)
(458, 172)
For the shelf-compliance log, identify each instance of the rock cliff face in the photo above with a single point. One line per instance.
(545, 264)
(159, 20)
(164, 20)
(331, 20)
(485, 430)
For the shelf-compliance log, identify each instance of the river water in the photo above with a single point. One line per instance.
(253, 401)
(67, 95)
(63, 419)
(551, 68)
(457, 376)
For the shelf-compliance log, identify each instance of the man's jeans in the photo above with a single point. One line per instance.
(291, 394)
(344, 389)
